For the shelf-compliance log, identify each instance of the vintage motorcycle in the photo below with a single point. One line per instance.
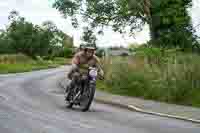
(83, 91)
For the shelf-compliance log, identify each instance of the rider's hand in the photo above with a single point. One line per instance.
(101, 75)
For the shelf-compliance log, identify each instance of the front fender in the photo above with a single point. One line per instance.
(93, 82)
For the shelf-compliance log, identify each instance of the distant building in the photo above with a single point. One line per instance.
(119, 52)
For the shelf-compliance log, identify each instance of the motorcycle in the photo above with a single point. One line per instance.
(83, 91)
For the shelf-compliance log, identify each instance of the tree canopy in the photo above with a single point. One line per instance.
(119, 14)
(169, 20)
(24, 37)
(88, 37)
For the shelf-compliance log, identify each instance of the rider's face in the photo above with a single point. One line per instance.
(89, 53)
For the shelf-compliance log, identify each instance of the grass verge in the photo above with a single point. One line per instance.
(173, 79)
(21, 63)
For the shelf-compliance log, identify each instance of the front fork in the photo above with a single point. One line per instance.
(78, 91)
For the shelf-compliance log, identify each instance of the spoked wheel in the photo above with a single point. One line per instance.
(87, 97)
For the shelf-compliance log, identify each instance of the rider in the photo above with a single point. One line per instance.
(81, 61)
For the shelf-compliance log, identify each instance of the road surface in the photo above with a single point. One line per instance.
(33, 103)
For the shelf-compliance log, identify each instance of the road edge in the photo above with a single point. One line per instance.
(136, 109)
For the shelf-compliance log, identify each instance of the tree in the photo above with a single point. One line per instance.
(14, 15)
(171, 24)
(4, 45)
(168, 19)
(24, 37)
(88, 37)
(119, 14)
(68, 41)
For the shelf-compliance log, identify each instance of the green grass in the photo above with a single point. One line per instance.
(15, 68)
(21, 63)
(174, 80)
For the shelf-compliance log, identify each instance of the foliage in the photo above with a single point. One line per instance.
(100, 52)
(169, 20)
(14, 63)
(67, 53)
(116, 13)
(13, 58)
(132, 46)
(171, 25)
(175, 81)
(148, 51)
(88, 37)
(24, 37)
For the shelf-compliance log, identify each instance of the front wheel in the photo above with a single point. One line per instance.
(87, 97)
(68, 97)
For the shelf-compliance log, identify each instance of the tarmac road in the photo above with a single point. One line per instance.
(33, 103)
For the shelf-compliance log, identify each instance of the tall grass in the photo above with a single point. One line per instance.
(173, 79)
(14, 58)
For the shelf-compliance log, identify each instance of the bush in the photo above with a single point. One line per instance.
(21, 36)
(175, 81)
(67, 52)
(5, 47)
(14, 58)
(60, 60)
(100, 53)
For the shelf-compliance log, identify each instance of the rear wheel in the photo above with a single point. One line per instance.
(87, 97)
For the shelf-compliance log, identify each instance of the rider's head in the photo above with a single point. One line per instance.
(89, 50)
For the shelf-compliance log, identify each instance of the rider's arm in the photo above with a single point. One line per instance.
(74, 66)
(76, 60)
(99, 66)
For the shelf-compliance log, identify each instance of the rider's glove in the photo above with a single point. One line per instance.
(101, 74)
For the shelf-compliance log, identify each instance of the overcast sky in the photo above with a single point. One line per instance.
(38, 11)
